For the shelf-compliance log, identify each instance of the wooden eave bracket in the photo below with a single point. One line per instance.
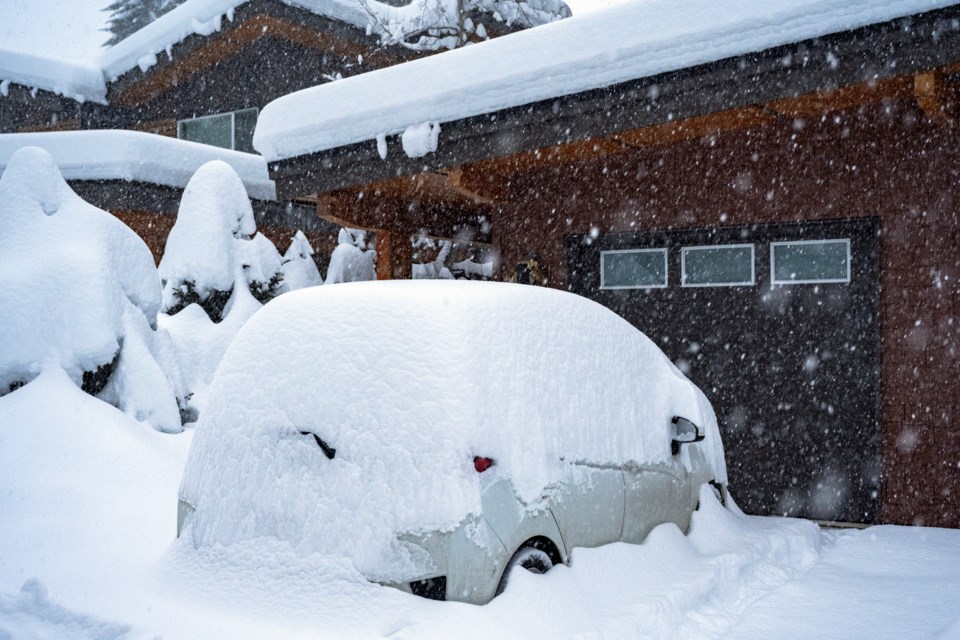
(936, 96)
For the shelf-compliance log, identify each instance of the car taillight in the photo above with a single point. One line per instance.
(481, 464)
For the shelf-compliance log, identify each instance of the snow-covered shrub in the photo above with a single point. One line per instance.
(427, 25)
(430, 257)
(299, 269)
(214, 247)
(351, 261)
(78, 290)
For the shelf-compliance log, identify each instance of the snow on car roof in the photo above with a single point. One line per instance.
(408, 381)
(110, 154)
(634, 39)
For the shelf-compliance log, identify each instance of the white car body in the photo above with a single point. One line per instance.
(615, 442)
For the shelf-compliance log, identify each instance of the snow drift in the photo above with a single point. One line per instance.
(78, 289)
(408, 381)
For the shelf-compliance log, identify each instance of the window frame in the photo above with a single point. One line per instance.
(700, 247)
(233, 125)
(773, 273)
(666, 269)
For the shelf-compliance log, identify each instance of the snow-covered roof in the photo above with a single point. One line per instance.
(81, 81)
(110, 154)
(87, 80)
(635, 39)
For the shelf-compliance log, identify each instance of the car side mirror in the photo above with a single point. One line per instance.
(684, 432)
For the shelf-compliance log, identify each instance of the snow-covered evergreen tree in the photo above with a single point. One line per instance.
(428, 25)
(214, 248)
(299, 269)
(79, 292)
(352, 261)
(129, 16)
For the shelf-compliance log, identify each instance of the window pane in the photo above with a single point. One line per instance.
(633, 269)
(704, 266)
(214, 130)
(245, 122)
(819, 261)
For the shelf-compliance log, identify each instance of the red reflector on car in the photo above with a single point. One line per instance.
(482, 464)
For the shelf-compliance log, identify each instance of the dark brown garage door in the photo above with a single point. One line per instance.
(779, 325)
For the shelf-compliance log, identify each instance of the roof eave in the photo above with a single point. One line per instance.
(870, 53)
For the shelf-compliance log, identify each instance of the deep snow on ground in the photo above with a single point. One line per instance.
(87, 550)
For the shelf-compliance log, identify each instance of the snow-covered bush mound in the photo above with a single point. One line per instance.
(214, 246)
(408, 381)
(352, 261)
(299, 269)
(78, 289)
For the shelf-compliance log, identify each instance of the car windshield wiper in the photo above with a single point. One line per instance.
(328, 451)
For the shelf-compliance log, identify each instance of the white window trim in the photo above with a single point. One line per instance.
(683, 265)
(773, 277)
(233, 123)
(666, 271)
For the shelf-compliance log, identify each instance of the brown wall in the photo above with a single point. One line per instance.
(885, 160)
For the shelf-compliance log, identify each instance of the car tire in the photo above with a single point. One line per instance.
(717, 491)
(533, 559)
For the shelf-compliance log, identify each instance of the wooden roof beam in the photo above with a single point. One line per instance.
(936, 96)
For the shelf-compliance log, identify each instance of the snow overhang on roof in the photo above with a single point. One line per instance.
(77, 80)
(135, 156)
(633, 40)
(87, 80)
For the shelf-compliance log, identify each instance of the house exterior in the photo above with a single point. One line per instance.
(769, 193)
(200, 74)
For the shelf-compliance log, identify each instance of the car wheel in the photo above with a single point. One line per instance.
(717, 492)
(531, 558)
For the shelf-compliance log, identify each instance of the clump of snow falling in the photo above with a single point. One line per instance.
(77, 289)
(299, 269)
(352, 261)
(408, 381)
(420, 139)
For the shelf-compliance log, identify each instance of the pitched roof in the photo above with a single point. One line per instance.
(135, 156)
(636, 39)
(87, 80)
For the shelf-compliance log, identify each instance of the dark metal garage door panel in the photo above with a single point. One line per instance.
(793, 371)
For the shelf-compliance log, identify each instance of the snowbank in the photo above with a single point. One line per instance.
(408, 381)
(111, 154)
(633, 39)
(77, 289)
(88, 513)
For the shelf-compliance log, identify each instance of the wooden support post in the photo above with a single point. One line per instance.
(394, 255)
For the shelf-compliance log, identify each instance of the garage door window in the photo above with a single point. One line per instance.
(717, 266)
(633, 269)
(810, 261)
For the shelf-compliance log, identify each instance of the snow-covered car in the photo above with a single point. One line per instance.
(438, 435)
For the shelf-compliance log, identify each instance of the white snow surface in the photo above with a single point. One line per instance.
(68, 272)
(299, 269)
(634, 39)
(81, 81)
(210, 243)
(87, 552)
(113, 154)
(409, 381)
